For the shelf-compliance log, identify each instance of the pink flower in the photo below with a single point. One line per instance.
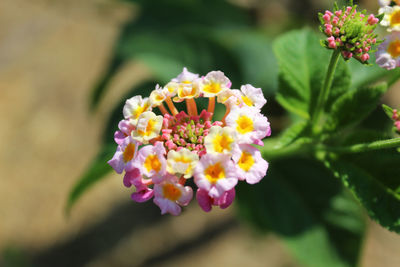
(216, 174)
(252, 97)
(250, 125)
(250, 164)
(151, 160)
(388, 54)
(169, 195)
(397, 125)
(206, 202)
(125, 129)
(125, 155)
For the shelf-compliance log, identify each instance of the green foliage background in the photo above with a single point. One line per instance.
(316, 190)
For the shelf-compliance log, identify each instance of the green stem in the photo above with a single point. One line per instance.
(324, 94)
(301, 146)
(358, 148)
(305, 146)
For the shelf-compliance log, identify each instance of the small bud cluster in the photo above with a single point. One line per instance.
(349, 31)
(388, 54)
(396, 118)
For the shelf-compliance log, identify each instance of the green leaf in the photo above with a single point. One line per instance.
(291, 134)
(255, 57)
(301, 202)
(388, 110)
(96, 171)
(375, 186)
(292, 51)
(302, 68)
(102, 85)
(354, 106)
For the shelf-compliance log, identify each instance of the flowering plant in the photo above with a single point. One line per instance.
(332, 149)
(177, 146)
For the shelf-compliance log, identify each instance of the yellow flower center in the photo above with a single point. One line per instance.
(246, 161)
(171, 192)
(215, 172)
(129, 152)
(395, 18)
(149, 128)
(394, 48)
(222, 142)
(247, 100)
(183, 159)
(140, 110)
(244, 124)
(159, 97)
(212, 88)
(152, 163)
(187, 92)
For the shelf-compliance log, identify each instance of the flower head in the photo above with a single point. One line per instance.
(249, 124)
(125, 155)
(388, 54)
(134, 107)
(252, 97)
(349, 31)
(391, 17)
(213, 83)
(384, 3)
(151, 160)
(148, 127)
(216, 174)
(206, 202)
(169, 195)
(250, 164)
(159, 153)
(221, 140)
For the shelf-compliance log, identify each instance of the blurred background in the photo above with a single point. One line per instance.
(57, 58)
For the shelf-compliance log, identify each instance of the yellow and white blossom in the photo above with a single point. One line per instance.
(148, 127)
(220, 140)
(135, 106)
(157, 96)
(182, 162)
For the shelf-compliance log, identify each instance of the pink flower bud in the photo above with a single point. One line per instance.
(397, 125)
(395, 115)
(364, 57)
(326, 18)
(328, 26)
(337, 31)
(347, 54)
(328, 32)
(338, 13)
(329, 13)
(372, 20)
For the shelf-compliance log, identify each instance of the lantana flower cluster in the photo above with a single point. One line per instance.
(159, 154)
(388, 54)
(349, 31)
